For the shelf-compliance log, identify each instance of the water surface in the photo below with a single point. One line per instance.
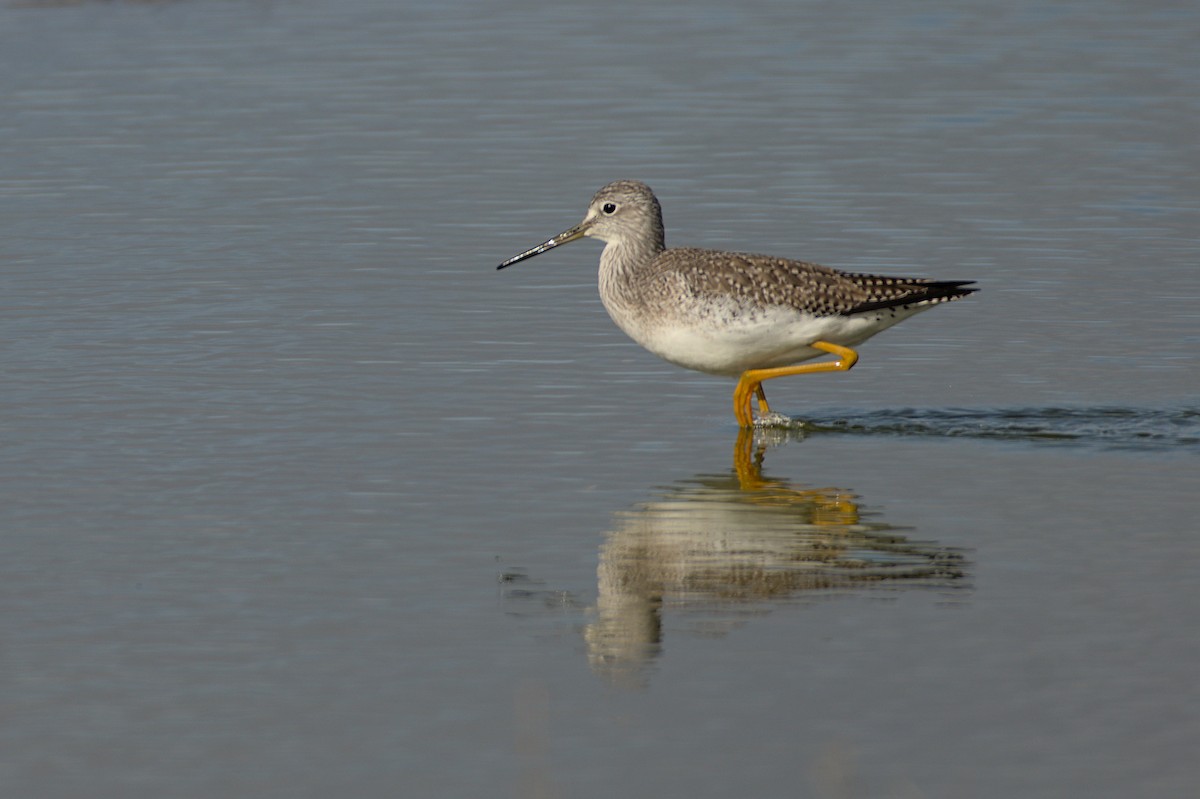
(300, 497)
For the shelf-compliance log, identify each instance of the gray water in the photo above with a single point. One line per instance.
(300, 497)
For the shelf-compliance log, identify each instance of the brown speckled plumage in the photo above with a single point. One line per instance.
(764, 280)
(644, 262)
(731, 313)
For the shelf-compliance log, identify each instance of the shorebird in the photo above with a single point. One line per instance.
(754, 317)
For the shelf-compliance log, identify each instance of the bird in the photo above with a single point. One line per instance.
(734, 314)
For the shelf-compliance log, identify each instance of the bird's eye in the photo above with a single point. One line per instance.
(609, 209)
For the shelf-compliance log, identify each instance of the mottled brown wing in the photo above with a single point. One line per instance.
(768, 281)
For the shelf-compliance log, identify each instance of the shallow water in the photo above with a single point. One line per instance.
(1162, 430)
(301, 496)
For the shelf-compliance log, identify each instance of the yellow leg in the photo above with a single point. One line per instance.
(751, 380)
(763, 407)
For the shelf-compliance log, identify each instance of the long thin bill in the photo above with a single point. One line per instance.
(567, 236)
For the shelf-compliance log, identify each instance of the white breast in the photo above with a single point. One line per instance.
(724, 339)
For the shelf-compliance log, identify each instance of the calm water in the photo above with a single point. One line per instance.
(300, 497)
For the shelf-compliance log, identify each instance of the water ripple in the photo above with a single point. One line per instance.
(1107, 427)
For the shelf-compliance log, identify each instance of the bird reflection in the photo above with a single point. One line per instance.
(725, 543)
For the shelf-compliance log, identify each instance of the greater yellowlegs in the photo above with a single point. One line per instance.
(754, 317)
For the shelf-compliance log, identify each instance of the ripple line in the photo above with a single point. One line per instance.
(1108, 427)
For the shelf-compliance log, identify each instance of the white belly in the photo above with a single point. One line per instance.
(724, 343)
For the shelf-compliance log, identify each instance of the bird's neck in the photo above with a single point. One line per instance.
(630, 257)
(624, 270)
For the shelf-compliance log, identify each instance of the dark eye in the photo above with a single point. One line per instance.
(609, 208)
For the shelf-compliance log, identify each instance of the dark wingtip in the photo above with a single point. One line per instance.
(933, 291)
(949, 289)
(956, 288)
